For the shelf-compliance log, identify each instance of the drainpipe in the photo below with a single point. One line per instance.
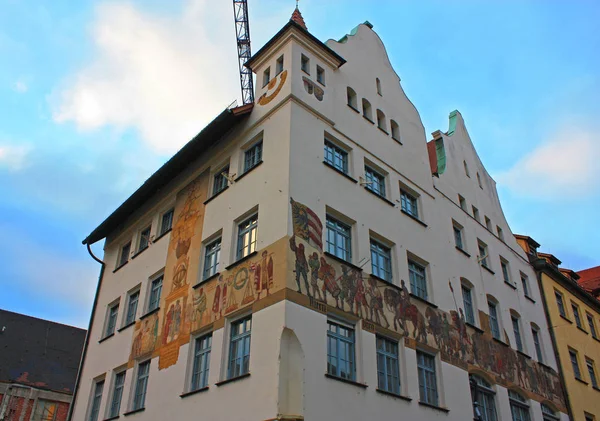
(87, 336)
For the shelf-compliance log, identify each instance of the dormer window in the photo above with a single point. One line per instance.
(367, 112)
(378, 84)
(279, 66)
(266, 77)
(321, 75)
(305, 64)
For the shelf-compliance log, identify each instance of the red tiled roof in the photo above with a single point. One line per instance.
(590, 280)
(297, 17)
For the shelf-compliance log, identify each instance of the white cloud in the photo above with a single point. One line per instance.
(566, 163)
(20, 86)
(13, 157)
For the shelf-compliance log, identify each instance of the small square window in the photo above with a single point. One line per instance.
(279, 66)
(320, 75)
(336, 157)
(409, 203)
(124, 254)
(375, 181)
(166, 222)
(144, 239)
(305, 64)
(266, 76)
(253, 156)
(221, 182)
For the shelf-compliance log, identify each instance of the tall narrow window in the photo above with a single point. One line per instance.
(340, 351)
(381, 261)
(167, 222)
(549, 414)
(375, 181)
(124, 255)
(428, 392)
(505, 271)
(488, 223)
(592, 372)
(141, 385)
(466, 168)
(479, 180)
(220, 181)
(409, 203)
(484, 402)
(395, 130)
(266, 77)
(96, 400)
(155, 291)
(592, 325)
(339, 239)
(378, 85)
(576, 315)
(458, 235)
(279, 66)
(212, 253)
(538, 346)
(201, 362)
(462, 202)
(117, 394)
(336, 157)
(144, 239)
(351, 97)
(519, 408)
(132, 304)
(388, 372)
(305, 64)
(500, 233)
(468, 304)
(494, 324)
(560, 304)
(475, 213)
(320, 75)
(525, 284)
(253, 156)
(239, 349)
(246, 241)
(575, 363)
(111, 319)
(381, 123)
(517, 332)
(367, 112)
(483, 253)
(418, 279)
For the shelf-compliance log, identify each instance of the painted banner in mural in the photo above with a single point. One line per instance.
(346, 288)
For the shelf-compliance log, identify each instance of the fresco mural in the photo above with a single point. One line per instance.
(312, 88)
(268, 97)
(344, 287)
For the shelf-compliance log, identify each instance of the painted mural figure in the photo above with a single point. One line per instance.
(221, 289)
(376, 306)
(168, 325)
(177, 319)
(327, 274)
(301, 265)
(263, 274)
(360, 299)
(313, 263)
(199, 302)
(347, 292)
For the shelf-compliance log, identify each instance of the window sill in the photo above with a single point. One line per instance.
(501, 342)
(193, 392)
(523, 354)
(381, 197)
(368, 119)
(340, 171)
(218, 193)
(530, 299)
(163, 234)
(341, 379)
(596, 338)
(583, 330)
(353, 109)
(462, 251)
(248, 171)
(135, 411)
(390, 283)
(438, 408)
(137, 253)
(383, 130)
(545, 365)
(596, 388)
(478, 329)
(510, 285)
(397, 140)
(120, 266)
(111, 418)
(423, 300)
(488, 269)
(122, 328)
(342, 261)
(206, 280)
(233, 379)
(304, 71)
(321, 83)
(413, 217)
(579, 379)
(106, 337)
(242, 259)
(394, 395)
(568, 320)
(151, 312)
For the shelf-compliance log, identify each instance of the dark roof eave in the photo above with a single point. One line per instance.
(173, 167)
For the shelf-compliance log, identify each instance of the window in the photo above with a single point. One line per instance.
(458, 235)
(418, 279)
(339, 239)
(96, 400)
(494, 323)
(144, 239)
(589, 417)
(488, 223)
(336, 156)
(475, 213)
(395, 130)
(517, 332)
(375, 181)
(351, 96)
(266, 77)
(111, 319)
(409, 203)
(468, 304)
(378, 86)
(483, 396)
(320, 75)
(211, 258)
(132, 303)
(560, 304)
(201, 362)
(279, 66)
(466, 169)
(155, 291)
(167, 222)
(462, 202)
(592, 325)
(340, 351)
(246, 240)
(525, 283)
(381, 261)
(117, 394)
(44, 411)
(141, 385)
(367, 113)
(483, 253)
(575, 363)
(537, 344)
(239, 349)
(427, 378)
(381, 121)
(549, 414)
(388, 372)
(479, 180)
(576, 315)
(124, 256)
(505, 271)
(592, 372)
(305, 64)
(500, 233)
(518, 407)
(220, 180)
(253, 156)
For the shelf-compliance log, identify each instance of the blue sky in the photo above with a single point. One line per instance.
(95, 96)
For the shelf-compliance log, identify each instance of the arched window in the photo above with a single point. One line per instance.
(466, 169)
(351, 96)
(519, 408)
(381, 121)
(483, 397)
(378, 83)
(479, 180)
(367, 112)
(395, 130)
(549, 414)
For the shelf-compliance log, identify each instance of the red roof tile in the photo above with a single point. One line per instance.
(590, 280)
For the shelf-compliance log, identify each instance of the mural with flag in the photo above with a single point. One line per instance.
(307, 224)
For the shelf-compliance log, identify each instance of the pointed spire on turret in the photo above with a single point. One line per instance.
(297, 17)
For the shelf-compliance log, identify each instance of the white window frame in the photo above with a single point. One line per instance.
(109, 319)
(211, 248)
(243, 249)
(93, 414)
(164, 230)
(419, 264)
(120, 257)
(113, 390)
(131, 293)
(266, 76)
(497, 317)
(456, 227)
(149, 293)
(136, 383)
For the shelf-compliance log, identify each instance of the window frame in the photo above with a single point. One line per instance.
(247, 226)
(144, 239)
(124, 257)
(470, 309)
(279, 65)
(462, 203)
(320, 75)
(305, 64)
(42, 406)
(367, 110)
(373, 178)
(592, 324)
(577, 315)
(200, 362)
(378, 86)
(352, 98)
(459, 242)
(138, 398)
(127, 320)
(537, 344)
(342, 231)
(495, 328)
(425, 388)
(388, 365)
(560, 303)
(220, 182)
(166, 216)
(245, 338)
(413, 273)
(505, 269)
(482, 387)
(110, 325)
(519, 403)
(516, 325)
(96, 400)
(525, 284)
(382, 252)
(409, 203)
(483, 247)
(381, 120)
(500, 233)
(488, 223)
(395, 129)
(574, 358)
(116, 394)
(336, 156)
(591, 368)
(266, 76)
(253, 155)
(549, 414)
(350, 343)
(152, 294)
(476, 214)
(212, 257)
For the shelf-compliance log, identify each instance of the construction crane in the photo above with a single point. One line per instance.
(242, 32)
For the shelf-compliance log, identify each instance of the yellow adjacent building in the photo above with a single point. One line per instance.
(574, 323)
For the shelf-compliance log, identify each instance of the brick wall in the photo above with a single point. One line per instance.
(19, 405)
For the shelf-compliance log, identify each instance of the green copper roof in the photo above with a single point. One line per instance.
(452, 123)
(354, 31)
(440, 152)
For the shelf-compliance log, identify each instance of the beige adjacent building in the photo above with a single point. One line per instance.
(312, 256)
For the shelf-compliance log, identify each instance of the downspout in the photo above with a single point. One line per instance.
(539, 270)
(87, 336)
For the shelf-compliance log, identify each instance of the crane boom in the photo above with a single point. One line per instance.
(242, 32)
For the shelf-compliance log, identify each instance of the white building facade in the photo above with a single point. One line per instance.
(312, 256)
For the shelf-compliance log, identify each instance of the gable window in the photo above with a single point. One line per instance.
(590, 320)
(246, 239)
(96, 400)
(483, 253)
(117, 394)
(253, 156)
(166, 222)
(381, 121)
(468, 304)
(351, 97)
(519, 408)
(132, 304)
(466, 169)
(505, 270)
(340, 351)
(305, 64)
(575, 363)
(479, 180)
(475, 213)
(239, 349)
(374, 181)
(141, 385)
(525, 283)
(336, 157)
(220, 180)
(395, 130)
(266, 76)
(483, 397)
(409, 203)
(592, 372)
(418, 279)
(537, 344)
(462, 202)
(320, 75)
(388, 372)
(144, 239)
(124, 255)
(458, 235)
(500, 233)
(549, 414)
(279, 65)
(560, 304)
(339, 238)
(367, 112)
(155, 291)
(517, 332)
(111, 319)
(381, 261)
(494, 323)
(428, 392)
(212, 253)
(576, 315)
(201, 362)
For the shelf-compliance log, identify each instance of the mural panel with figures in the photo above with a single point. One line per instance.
(335, 286)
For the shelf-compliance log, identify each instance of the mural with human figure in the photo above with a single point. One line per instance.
(347, 288)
